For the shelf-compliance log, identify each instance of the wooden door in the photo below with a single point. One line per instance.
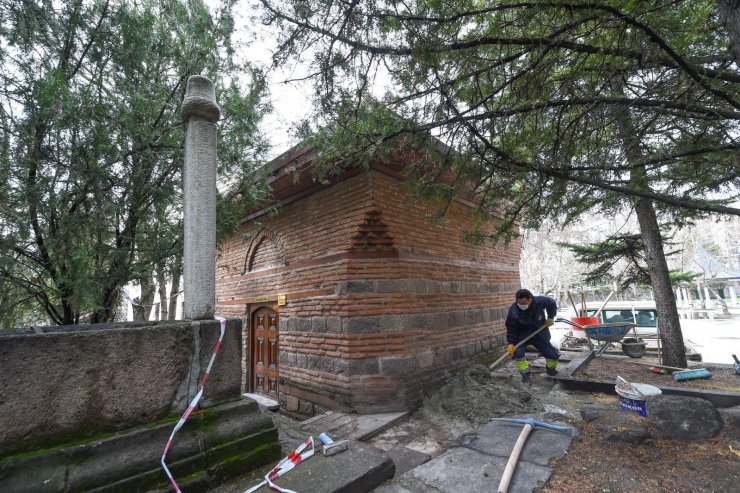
(264, 352)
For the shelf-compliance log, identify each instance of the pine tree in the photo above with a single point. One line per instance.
(91, 141)
(549, 109)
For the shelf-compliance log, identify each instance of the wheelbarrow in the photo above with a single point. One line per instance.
(604, 333)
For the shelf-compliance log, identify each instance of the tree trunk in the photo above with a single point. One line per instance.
(671, 337)
(107, 312)
(729, 16)
(175, 290)
(68, 312)
(143, 304)
(162, 286)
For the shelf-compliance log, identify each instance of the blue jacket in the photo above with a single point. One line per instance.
(520, 323)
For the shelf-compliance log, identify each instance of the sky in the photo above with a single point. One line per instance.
(291, 101)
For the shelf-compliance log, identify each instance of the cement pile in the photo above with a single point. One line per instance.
(473, 398)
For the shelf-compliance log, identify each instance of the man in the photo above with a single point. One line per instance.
(526, 316)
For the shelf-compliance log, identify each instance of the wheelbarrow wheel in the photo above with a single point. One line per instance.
(634, 348)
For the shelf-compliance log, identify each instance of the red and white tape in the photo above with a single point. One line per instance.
(192, 405)
(289, 462)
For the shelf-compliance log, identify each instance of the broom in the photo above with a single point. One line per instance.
(696, 374)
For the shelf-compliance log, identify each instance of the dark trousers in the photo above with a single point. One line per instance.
(542, 345)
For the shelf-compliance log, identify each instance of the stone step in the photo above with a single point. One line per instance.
(264, 401)
(352, 426)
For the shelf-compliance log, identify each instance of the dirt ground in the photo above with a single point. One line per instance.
(595, 464)
(617, 452)
(598, 462)
(606, 368)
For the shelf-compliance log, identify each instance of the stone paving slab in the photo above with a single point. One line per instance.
(406, 459)
(477, 460)
(392, 488)
(462, 469)
(498, 438)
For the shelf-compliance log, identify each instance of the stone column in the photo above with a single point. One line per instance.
(733, 298)
(200, 112)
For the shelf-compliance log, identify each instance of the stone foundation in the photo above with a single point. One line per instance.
(388, 384)
(90, 408)
(215, 444)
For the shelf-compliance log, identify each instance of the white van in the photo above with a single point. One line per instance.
(645, 318)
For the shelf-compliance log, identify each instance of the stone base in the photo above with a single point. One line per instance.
(216, 444)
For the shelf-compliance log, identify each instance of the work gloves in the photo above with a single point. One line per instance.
(549, 322)
(510, 349)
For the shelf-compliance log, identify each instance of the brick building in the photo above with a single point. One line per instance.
(353, 297)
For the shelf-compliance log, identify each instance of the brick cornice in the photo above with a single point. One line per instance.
(304, 185)
(370, 255)
(326, 259)
(439, 259)
(314, 293)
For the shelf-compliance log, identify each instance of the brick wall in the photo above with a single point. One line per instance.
(382, 300)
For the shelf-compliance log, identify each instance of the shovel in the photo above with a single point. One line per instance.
(524, 341)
